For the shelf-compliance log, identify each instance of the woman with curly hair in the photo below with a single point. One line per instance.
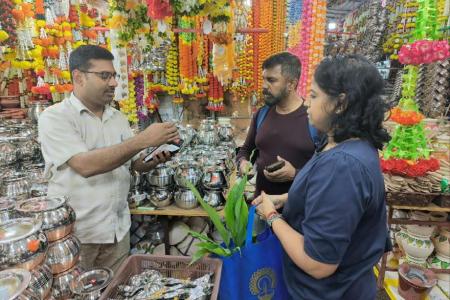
(333, 227)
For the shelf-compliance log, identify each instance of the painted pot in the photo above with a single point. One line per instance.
(417, 248)
(440, 262)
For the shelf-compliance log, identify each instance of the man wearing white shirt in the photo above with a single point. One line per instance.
(88, 148)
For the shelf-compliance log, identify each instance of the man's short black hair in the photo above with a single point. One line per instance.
(290, 64)
(80, 58)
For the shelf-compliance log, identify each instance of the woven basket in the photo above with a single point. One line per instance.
(169, 266)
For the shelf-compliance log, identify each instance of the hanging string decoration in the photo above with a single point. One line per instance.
(7, 25)
(312, 43)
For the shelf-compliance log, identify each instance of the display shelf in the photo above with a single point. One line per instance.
(432, 207)
(171, 210)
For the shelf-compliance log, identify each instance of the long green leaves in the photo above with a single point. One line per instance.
(236, 218)
(213, 215)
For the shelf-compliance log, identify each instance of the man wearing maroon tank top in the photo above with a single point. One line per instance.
(284, 133)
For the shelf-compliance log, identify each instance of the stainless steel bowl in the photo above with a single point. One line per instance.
(187, 172)
(8, 154)
(41, 281)
(185, 199)
(22, 243)
(7, 211)
(58, 218)
(14, 285)
(88, 285)
(214, 198)
(63, 254)
(62, 282)
(161, 176)
(16, 186)
(161, 197)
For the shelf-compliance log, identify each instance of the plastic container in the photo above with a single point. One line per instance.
(169, 266)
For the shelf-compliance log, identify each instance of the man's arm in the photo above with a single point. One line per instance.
(103, 160)
(243, 156)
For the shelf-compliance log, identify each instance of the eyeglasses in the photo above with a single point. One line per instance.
(105, 76)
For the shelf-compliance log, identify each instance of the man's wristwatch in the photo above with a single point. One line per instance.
(272, 217)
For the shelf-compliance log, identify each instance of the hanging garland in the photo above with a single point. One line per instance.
(7, 24)
(424, 52)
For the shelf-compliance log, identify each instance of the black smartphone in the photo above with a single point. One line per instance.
(275, 166)
(172, 147)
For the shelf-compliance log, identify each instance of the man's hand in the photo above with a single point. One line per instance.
(278, 201)
(158, 134)
(285, 174)
(245, 167)
(158, 158)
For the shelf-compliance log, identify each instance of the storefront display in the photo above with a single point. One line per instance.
(198, 63)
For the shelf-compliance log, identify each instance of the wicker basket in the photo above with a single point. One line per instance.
(170, 266)
(410, 199)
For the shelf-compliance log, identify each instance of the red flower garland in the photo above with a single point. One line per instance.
(408, 168)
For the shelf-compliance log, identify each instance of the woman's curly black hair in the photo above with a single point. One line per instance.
(361, 112)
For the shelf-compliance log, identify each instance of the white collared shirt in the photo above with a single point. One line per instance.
(100, 201)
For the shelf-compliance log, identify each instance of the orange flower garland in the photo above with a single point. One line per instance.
(264, 40)
(406, 117)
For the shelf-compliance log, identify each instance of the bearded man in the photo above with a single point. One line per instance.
(279, 130)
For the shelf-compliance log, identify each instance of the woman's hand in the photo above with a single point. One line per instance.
(264, 205)
(277, 200)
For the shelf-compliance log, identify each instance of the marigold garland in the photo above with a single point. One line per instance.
(406, 117)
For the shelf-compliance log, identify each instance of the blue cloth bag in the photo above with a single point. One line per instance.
(256, 272)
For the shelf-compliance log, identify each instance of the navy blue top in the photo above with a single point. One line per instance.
(337, 202)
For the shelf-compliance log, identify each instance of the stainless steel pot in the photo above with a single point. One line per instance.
(214, 198)
(29, 149)
(61, 283)
(7, 211)
(226, 132)
(187, 134)
(161, 197)
(187, 172)
(208, 137)
(63, 254)
(8, 154)
(58, 218)
(88, 286)
(22, 243)
(36, 110)
(226, 162)
(16, 186)
(41, 281)
(161, 176)
(14, 285)
(214, 178)
(185, 199)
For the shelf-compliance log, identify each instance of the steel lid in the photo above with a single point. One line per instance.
(92, 281)
(17, 229)
(13, 282)
(40, 204)
(6, 203)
